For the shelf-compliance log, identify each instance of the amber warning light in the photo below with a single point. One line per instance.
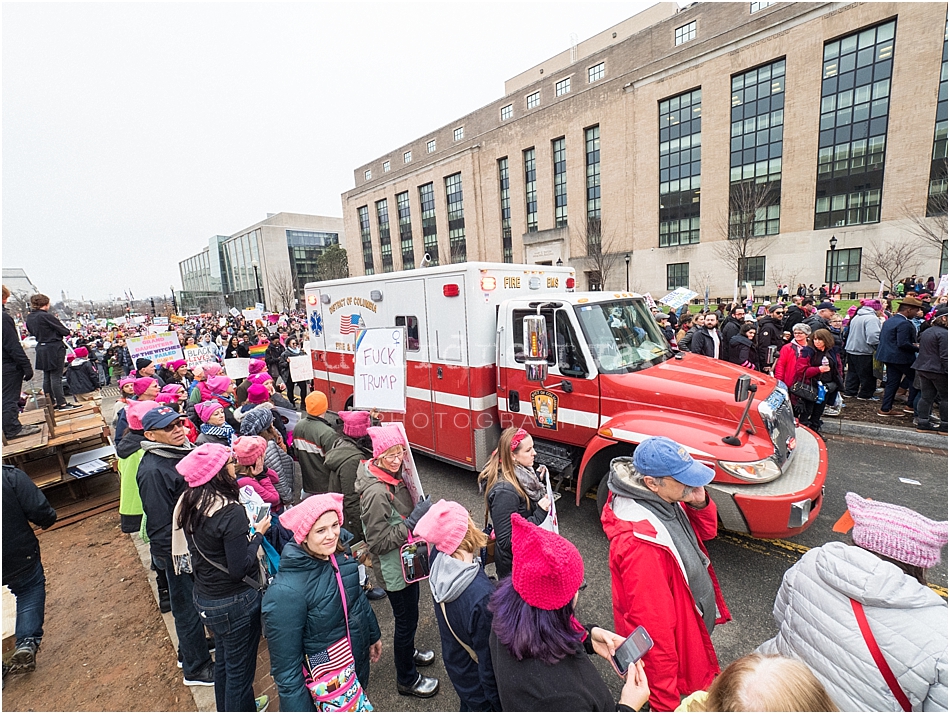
(489, 283)
(311, 299)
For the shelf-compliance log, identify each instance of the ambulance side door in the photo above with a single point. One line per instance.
(409, 312)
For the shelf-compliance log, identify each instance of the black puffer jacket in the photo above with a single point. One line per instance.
(932, 357)
(23, 502)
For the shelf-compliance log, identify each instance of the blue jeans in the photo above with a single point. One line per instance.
(405, 605)
(235, 622)
(30, 590)
(191, 633)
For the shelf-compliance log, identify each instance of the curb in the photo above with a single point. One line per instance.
(889, 434)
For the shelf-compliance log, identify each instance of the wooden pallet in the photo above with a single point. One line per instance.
(26, 444)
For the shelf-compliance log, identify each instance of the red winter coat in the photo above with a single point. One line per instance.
(785, 365)
(650, 589)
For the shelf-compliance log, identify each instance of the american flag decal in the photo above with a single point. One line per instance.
(350, 324)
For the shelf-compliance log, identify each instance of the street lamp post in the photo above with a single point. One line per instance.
(626, 259)
(832, 274)
(257, 280)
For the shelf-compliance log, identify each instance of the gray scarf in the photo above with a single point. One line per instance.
(529, 482)
(622, 481)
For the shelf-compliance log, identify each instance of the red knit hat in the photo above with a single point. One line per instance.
(546, 569)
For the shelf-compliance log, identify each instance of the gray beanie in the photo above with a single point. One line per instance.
(255, 421)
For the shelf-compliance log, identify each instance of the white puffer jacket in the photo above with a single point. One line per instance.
(817, 625)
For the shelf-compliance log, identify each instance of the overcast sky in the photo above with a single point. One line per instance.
(134, 132)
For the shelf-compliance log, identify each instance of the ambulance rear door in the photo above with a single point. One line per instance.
(317, 346)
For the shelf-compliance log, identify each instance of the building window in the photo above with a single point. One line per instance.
(594, 283)
(368, 174)
(405, 230)
(754, 7)
(366, 239)
(459, 133)
(677, 275)
(533, 100)
(531, 190)
(755, 175)
(686, 33)
(592, 164)
(504, 192)
(937, 191)
(407, 157)
(843, 266)
(943, 259)
(852, 129)
(430, 146)
(562, 87)
(453, 202)
(753, 270)
(596, 72)
(680, 158)
(385, 167)
(560, 182)
(506, 112)
(385, 241)
(430, 238)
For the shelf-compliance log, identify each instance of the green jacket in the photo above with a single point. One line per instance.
(313, 439)
(383, 509)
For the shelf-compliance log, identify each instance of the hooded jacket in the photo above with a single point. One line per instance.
(898, 336)
(464, 589)
(383, 510)
(650, 588)
(770, 335)
(130, 453)
(303, 614)
(743, 352)
(313, 439)
(864, 332)
(160, 485)
(343, 462)
(816, 624)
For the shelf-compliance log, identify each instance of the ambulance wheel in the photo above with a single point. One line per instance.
(602, 493)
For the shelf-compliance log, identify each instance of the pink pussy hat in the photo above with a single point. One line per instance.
(355, 424)
(300, 518)
(136, 410)
(202, 463)
(546, 569)
(444, 525)
(896, 532)
(384, 438)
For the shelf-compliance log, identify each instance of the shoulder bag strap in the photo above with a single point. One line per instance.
(471, 652)
(250, 581)
(339, 582)
(878, 656)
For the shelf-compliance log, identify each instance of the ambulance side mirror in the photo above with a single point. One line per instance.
(742, 388)
(536, 348)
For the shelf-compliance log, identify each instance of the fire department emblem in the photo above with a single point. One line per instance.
(544, 405)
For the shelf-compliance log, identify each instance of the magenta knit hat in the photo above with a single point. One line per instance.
(211, 369)
(896, 531)
(444, 525)
(81, 352)
(204, 410)
(202, 463)
(300, 518)
(256, 366)
(384, 438)
(257, 394)
(172, 388)
(140, 385)
(126, 380)
(260, 378)
(219, 384)
(355, 424)
(136, 410)
(248, 449)
(175, 364)
(546, 569)
(166, 398)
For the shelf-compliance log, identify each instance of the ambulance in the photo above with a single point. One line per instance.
(588, 374)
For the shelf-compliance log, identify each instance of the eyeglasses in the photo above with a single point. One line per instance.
(393, 457)
(171, 427)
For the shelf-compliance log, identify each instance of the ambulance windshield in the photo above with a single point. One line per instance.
(623, 335)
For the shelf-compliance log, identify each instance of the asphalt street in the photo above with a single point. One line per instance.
(750, 571)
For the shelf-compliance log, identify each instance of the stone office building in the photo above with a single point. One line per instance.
(656, 138)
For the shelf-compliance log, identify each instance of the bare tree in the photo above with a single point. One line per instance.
(781, 273)
(890, 260)
(283, 285)
(932, 228)
(20, 302)
(600, 244)
(744, 225)
(332, 264)
(702, 281)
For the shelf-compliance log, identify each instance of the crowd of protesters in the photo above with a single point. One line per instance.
(260, 520)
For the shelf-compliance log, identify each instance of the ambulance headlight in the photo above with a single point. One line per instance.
(755, 471)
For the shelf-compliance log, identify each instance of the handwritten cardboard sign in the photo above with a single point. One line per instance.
(301, 368)
(379, 371)
(199, 355)
(237, 367)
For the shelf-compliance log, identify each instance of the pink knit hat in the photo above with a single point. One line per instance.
(896, 532)
(81, 352)
(546, 569)
(260, 378)
(300, 518)
(384, 438)
(355, 424)
(204, 410)
(173, 388)
(141, 385)
(218, 385)
(165, 398)
(211, 369)
(256, 366)
(175, 364)
(248, 449)
(257, 394)
(136, 410)
(126, 380)
(202, 463)
(444, 525)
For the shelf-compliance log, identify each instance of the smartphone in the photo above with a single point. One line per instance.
(632, 649)
(262, 512)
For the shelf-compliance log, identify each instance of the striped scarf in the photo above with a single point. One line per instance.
(225, 431)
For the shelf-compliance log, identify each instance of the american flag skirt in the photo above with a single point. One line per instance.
(330, 676)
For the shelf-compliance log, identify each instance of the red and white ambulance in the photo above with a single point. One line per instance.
(610, 379)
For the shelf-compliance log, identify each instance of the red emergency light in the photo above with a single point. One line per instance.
(312, 299)
(569, 283)
(450, 290)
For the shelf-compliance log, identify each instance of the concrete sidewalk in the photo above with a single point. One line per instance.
(894, 435)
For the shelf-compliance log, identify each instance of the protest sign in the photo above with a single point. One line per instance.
(678, 297)
(941, 287)
(222, 321)
(140, 319)
(252, 315)
(289, 417)
(160, 347)
(237, 367)
(380, 369)
(177, 320)
(301, 368)
(259, 306)
(649, 298)
(234, 312)
(199, 355)
(549, 523)
(160, 321)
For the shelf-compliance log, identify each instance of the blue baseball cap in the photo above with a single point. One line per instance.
(159, 418)
(659, 456)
